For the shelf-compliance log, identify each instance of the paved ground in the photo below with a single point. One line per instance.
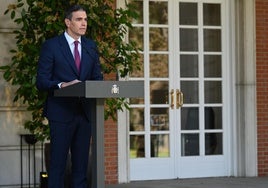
(256, 182)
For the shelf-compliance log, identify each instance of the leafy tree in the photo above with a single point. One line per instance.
(39, 20)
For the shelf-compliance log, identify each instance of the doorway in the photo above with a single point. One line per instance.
(180, 128)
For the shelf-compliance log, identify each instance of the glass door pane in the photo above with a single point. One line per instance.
(200, 78)
(189, 82)
(150, 136)
(213, 79)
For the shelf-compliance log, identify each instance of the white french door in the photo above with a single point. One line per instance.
(180, 129)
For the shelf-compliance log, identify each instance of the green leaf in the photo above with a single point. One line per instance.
(7, 11)
(20, 5)
(13, 14)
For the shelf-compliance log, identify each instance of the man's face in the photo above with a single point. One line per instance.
(77, 26)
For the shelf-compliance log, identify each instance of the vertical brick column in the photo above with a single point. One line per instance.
(262, 84)
(110, 147)
(111, 152)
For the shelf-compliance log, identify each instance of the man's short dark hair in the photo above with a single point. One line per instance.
(71, 9)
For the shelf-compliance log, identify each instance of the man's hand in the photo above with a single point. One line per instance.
(65, 84)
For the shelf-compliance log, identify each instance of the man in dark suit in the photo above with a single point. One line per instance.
(69, 117)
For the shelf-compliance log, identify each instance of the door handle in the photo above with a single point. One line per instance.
(172, 94)
(179, 96)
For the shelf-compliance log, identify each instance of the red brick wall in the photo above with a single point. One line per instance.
(110, 147)
(111, 152)
(110, 142)
(262, 84)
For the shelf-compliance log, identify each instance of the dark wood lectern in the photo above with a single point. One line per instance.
(100, 90)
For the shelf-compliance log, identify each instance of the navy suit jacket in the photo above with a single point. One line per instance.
(56, 64)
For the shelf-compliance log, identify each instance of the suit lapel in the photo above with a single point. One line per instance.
(84, 60)
(65, 49)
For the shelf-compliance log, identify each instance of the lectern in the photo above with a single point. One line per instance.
(99, 90)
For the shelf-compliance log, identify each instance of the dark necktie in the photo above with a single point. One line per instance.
(76, 55)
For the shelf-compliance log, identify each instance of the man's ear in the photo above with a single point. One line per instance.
(67, 22)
